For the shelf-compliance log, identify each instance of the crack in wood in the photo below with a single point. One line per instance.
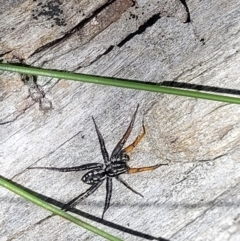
(16, 235)
(188, 19)
(102, 17)
(98, 57)
(17, 116)
(150, 22)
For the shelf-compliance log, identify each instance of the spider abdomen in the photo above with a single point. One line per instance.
(94, 176)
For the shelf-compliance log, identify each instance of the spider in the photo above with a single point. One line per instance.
(113, 167)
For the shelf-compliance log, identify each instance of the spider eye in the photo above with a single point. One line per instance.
(125, 157)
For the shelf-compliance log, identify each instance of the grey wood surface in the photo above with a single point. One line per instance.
(48, 123)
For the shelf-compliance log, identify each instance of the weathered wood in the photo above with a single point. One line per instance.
(48, 123)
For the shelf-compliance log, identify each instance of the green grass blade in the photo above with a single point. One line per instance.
(32, 198)
(117, 83)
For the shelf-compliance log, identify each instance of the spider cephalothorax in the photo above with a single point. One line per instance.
(113, 167)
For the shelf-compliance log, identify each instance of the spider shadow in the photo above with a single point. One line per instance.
(87, 215)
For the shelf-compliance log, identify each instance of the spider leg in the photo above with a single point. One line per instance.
(120, 144)
(102, 144)
(108, 195)
(137, 140)
(81, 197)
(72, 169)
(143, 169)
(126, 185)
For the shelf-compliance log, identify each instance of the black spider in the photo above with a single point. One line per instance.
(113, 167)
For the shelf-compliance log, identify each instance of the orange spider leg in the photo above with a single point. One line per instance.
(137, 140)
(144, 169)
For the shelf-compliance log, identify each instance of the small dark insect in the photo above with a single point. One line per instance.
(113, 167)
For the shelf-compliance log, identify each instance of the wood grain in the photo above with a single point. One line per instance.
(47, 122)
